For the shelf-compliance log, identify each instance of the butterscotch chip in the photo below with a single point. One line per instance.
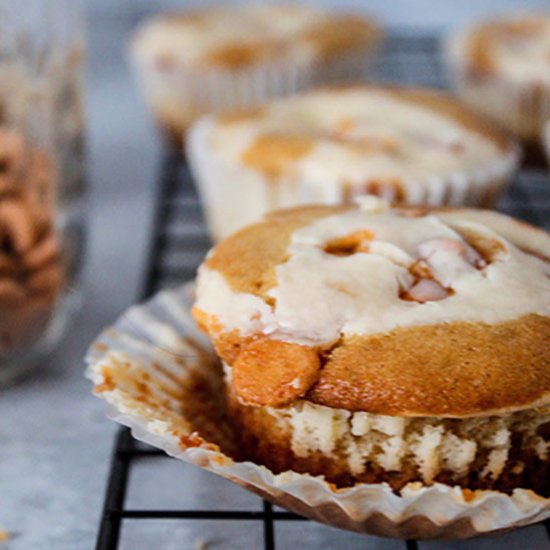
(207, 323)
(358, 241)
(420, 270)
(273, 154)
(489, 248)
(241, 54)
(391, 189)
(274, 373)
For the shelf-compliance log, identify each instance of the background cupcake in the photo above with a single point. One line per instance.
(500, 68)
(190, 63)
(332, 145)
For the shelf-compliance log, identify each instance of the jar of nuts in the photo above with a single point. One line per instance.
(41, 176)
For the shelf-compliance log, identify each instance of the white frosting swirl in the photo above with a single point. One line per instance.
(320, 296)
(189, 37)
(361, 135)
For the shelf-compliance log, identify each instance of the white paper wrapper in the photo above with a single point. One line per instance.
(178, 96)
(234, 195)
(143, 367)
(519, 106)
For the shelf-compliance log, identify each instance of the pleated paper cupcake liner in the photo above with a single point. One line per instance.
(234, 196)
(159, 377)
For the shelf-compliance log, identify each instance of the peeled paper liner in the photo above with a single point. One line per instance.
(160, 378)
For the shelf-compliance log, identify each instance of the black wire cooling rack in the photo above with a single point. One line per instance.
(178, 244)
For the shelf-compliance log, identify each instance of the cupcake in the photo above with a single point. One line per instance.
(331, 145)
(500, 68)
(372, 345)
(194, 62)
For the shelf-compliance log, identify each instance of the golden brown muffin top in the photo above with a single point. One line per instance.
(402, 312)
(242, 36)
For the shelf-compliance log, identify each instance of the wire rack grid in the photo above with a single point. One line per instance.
(178, 244)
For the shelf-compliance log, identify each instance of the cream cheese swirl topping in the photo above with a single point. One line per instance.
(372, 270)
(355, 135)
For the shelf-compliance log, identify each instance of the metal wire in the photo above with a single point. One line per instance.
(179, 241)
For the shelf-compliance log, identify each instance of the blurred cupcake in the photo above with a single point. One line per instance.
(387, 346)
(212, 60)
(501, 69)
(332, 145)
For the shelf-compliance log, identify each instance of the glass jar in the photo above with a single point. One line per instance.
(41, 176)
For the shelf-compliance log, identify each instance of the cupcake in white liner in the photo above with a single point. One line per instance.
(333, 144)
(158, 376)
(500, 68)
(194, 62)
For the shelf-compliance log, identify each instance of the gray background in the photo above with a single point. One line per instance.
(54, 438)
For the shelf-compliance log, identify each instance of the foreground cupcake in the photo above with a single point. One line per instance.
(500, 67)
(190, 63)
(332, 145)
(399, 347)
(376, 345)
